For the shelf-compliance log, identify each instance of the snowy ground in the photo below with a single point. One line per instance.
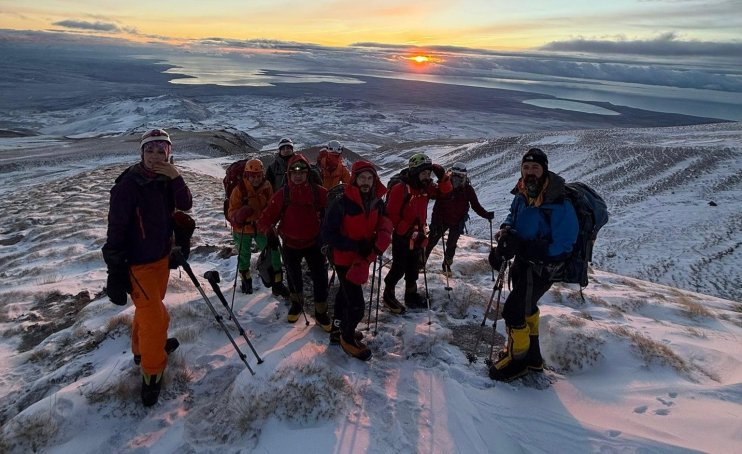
(635, 367)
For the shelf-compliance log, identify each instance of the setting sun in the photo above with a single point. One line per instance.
(420, 59)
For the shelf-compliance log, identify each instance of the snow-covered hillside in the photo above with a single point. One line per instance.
(673, 196)
(636, 366)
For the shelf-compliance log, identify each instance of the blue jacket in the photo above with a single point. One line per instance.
(140, 218)
(550, 230)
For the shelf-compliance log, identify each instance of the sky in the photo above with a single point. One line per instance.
(482, 24)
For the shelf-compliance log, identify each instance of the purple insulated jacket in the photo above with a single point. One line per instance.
(140, 218)
(450, 209)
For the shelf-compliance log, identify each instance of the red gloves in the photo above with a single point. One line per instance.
(358, 272)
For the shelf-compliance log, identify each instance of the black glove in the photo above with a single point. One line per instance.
(273, 242)
(509, 244)
(490, 215)
(438, 171)
(118, 285)
(535, 249)
(365, 248)
(495, 259)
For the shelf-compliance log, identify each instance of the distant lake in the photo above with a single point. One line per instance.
(570, 105)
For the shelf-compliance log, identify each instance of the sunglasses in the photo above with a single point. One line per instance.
(158, 145)
(254, 174)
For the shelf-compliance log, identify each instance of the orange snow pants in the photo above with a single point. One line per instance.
(149, 329)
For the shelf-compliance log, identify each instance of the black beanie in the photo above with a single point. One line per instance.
(537, 156)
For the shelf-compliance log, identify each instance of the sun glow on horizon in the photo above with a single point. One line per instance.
(423, 60)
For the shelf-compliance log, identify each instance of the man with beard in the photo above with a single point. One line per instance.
(357, 230)
(295, 213)
(408, 209)
(539, 232)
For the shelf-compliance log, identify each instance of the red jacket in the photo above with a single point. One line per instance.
(353, 219)
(300, 220)
(407, 206)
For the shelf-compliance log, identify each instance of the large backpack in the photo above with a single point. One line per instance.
(592, 215)
(393, 181)
(233, 178)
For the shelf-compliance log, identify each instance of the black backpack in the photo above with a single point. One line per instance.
(264, 265)
(592, 215)
(333, 197)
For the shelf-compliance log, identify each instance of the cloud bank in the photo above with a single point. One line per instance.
(665, 45)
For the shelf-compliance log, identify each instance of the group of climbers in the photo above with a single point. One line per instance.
(283, 207)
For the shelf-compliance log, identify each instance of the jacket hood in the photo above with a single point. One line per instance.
(365, 166)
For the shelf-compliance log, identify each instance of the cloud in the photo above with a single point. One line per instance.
(92, 26)
(666, 44)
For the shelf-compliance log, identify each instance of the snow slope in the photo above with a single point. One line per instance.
(635, 367)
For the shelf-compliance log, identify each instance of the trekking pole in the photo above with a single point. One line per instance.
(491, 246)
(489, 361)
(472, 356)
(237, 271)
(427, 295)
(213, 278)
(183, 263)
(448, 267)
(378, 296)
(371, 296)
(288, 281)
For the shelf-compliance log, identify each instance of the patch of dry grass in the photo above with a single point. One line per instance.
(692, 308)
(652, 351)
(119, 322)
(31, 433)
(576, 350)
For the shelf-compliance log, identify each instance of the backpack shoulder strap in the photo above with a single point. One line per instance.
(406, 199)
(286, 201)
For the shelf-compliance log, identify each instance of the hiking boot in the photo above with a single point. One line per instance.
(246, 282)
(278, 289)
(171, 344)
(412, 299)
(151, 384)
(512, 364)
(391, 301)
(320, 314)
(297, 307)
(446, 268)
(335, 338)
(335, 332)
(533, 357)
(356, 349)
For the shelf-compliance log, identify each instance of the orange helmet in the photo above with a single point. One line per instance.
(254, 165)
